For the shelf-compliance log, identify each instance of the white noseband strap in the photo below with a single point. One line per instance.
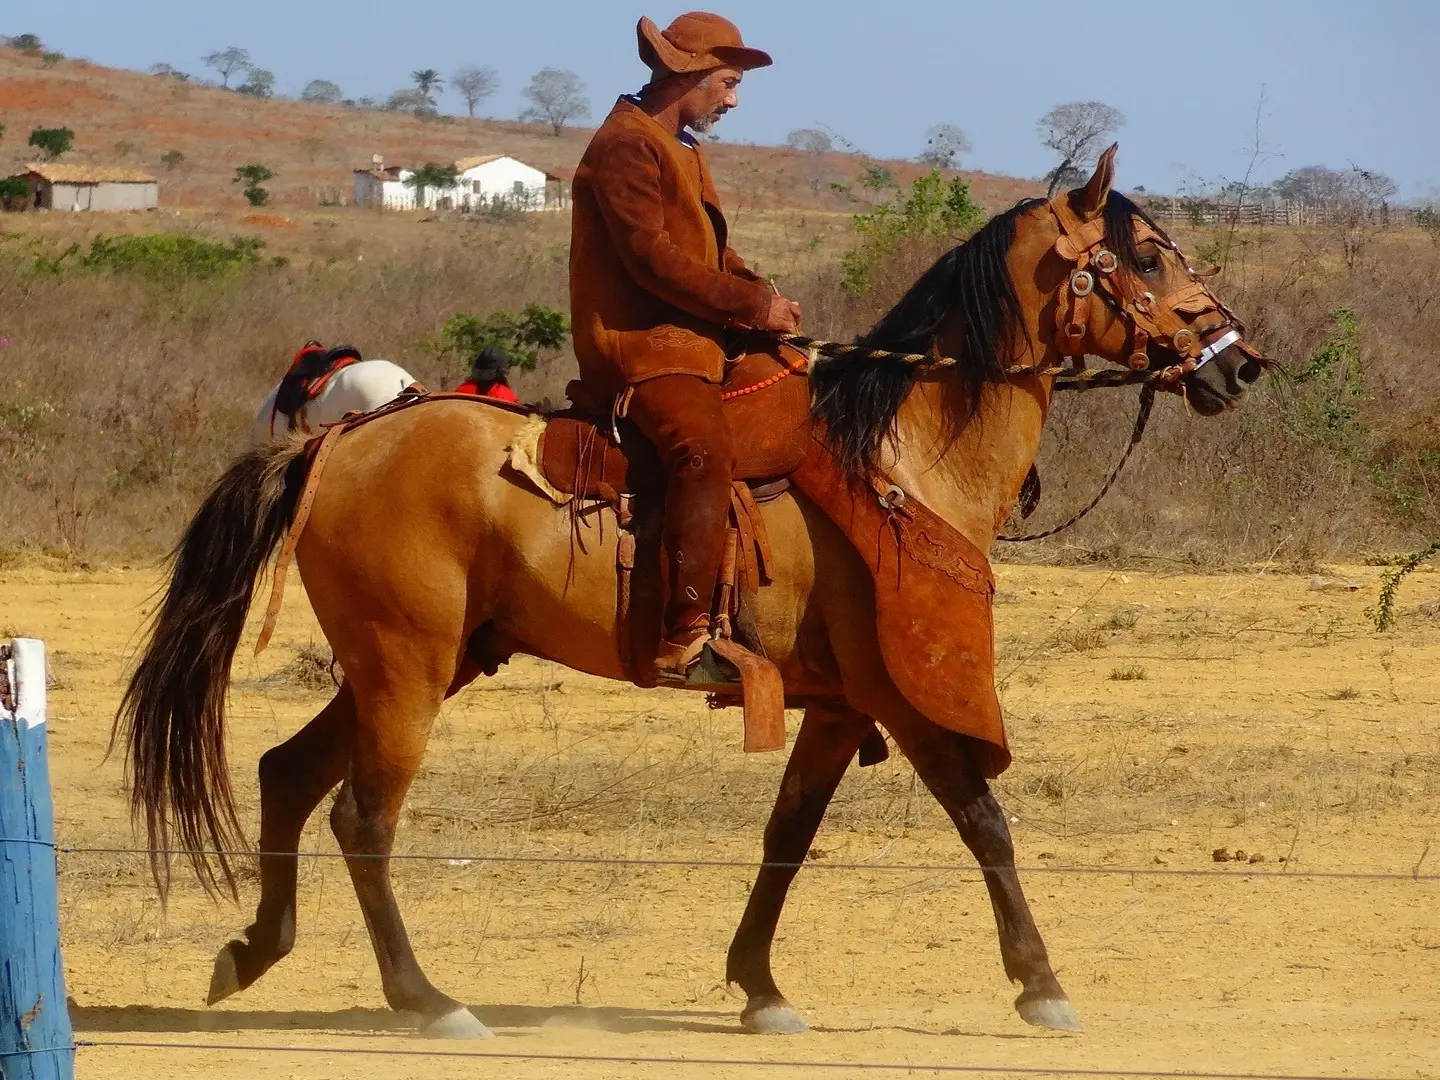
(1216, 347)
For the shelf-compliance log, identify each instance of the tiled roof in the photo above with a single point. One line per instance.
(58, 173)
(466, 164)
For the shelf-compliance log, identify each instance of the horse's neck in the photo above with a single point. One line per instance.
(970, 475)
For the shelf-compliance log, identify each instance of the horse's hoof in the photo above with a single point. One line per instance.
(1053, 1014)
(774, 1018)
(224, 980)
(457, 1024)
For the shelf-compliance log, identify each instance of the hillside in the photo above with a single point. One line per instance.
(133, 118)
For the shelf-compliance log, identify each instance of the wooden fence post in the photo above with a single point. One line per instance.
(36, 1042)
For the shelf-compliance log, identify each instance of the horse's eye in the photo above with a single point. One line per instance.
(1149, 264)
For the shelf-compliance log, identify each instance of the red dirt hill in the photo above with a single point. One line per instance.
(125, 117)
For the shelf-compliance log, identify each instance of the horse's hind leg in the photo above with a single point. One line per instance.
(946, 763)
(391, 733)
(294, 777)
(824, 748)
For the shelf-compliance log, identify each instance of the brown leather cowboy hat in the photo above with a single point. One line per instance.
(696, 41)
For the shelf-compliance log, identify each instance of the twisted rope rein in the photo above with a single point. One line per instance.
(1066, 378)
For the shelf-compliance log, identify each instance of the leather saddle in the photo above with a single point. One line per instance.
(768, 412)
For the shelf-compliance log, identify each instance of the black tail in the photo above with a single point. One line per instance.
(172, 717)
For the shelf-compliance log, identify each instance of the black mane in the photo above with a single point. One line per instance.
(857, 399)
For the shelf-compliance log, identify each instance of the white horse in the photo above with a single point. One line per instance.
(357, 387)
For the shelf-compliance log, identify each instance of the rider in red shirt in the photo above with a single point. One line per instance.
(487, 375)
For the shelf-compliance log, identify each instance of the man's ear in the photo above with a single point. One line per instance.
(1094, 194)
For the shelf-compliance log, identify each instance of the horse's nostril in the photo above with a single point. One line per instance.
(1250, 371)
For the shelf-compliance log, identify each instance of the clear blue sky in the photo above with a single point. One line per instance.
(1344, 82)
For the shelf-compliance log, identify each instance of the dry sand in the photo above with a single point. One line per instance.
(1155, 718)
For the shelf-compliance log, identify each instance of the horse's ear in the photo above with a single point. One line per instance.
(1094, 194)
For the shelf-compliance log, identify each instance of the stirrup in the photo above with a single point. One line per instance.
(707, 670)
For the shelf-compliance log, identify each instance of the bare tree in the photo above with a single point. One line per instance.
(411, 101)
(556, 97)
(163, 70)
(1320, 185)
(810, 140)
(815, 144)
(1077, 131)
(475, 84)
(322, 92)
(227, 62)
(258, 83)
(944, 143)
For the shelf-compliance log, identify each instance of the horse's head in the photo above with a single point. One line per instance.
(1131, 297)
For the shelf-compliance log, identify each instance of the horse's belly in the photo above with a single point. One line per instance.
(561, 595)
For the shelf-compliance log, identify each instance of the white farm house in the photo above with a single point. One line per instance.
(495, 180)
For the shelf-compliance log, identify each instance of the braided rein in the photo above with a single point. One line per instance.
(1067, 377)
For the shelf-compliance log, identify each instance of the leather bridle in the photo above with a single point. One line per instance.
(1097, 276)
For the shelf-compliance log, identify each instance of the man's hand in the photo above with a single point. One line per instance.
(783, 316)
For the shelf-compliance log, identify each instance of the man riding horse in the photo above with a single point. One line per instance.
(659, 301)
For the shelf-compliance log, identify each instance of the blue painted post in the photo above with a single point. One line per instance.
(36, 1042)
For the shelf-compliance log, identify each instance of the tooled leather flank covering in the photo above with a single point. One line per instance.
(933, 591)
(931, 542)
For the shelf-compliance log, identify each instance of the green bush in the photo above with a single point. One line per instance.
(252, 176)
(14, 193)
(54, 141)
(536, 328)
(170, 255)
(934, 207)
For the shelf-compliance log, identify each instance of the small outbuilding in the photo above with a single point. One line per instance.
(57, 186)
(384, 187)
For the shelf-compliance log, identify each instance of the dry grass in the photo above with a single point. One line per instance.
(122, 398)
(312, 668)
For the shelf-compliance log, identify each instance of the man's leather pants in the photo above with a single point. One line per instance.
(681, 416)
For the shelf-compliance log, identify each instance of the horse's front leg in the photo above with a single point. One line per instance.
(946, 762)
(828, 739)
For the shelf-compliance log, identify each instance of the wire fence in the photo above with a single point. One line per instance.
(1246, 872)
(810, 1065)
(1242, 870)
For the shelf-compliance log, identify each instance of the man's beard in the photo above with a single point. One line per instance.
(701, 125)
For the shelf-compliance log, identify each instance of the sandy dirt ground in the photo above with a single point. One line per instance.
(1156, 718)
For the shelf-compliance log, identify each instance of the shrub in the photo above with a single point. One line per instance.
(536, 328)
(252, 176)
(26, 43)
(14, 193)
(170, 255)
(53, 141)
(934, 207)
(172, 159)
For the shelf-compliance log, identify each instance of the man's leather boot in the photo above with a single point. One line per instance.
(696, 504)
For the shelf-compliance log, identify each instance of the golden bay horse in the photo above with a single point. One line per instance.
(421, 584)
